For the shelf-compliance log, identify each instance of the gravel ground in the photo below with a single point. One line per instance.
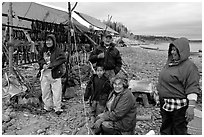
(25, 119)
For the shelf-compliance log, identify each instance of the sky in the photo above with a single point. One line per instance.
(175, 19)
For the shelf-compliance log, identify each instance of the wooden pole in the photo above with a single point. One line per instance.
(11, 45)
(69, 47)
(69, 23)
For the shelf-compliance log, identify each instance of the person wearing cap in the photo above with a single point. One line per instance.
(178, 86)
(52, 68)
(108, 56)
(121, 109)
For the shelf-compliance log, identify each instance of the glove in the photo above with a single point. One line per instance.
(98, 123)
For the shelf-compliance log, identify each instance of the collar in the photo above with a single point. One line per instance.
(174, 63)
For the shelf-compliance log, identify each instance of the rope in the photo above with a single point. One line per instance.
(84, 106)
(28, 9)
(19, 21)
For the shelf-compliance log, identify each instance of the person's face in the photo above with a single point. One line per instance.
(174, 53)
(49, 42)
(107, 40)
(118, 85)
(99, 71)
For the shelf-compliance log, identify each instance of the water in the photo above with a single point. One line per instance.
(194, 46)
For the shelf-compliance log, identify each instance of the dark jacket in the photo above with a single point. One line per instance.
(123, 111)
(181, 79)
(57, 59)
(112, 59)
(98, 94)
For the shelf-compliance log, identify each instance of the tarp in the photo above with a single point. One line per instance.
(40, 12)
(95, 22)
(34, 11)
(11, 86)
(80, 26)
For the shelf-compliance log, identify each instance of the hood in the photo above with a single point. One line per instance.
(182, 44)
(53, 39)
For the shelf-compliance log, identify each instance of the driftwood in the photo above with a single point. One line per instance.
(142, 86)
(144, 117)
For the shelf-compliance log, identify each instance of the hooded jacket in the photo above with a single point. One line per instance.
(57, 58)
(181, 79)
(112, 59)
(101, 93)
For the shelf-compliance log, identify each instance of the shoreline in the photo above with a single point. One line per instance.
(145, 64)
(150, 62)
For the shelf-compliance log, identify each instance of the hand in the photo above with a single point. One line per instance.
(98, 123)
(190, 113)
(101, 115)
(101, 55)
(45, 66)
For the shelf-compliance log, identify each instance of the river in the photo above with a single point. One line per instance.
(194, 46)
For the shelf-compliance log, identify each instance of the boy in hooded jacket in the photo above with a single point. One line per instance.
(178, 86)
(97, 91)
(52, 68)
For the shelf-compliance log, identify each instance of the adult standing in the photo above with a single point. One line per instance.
(108, 56)
(52, 67)
(178, 87)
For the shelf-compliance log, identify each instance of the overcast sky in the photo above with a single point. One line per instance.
(174, 19)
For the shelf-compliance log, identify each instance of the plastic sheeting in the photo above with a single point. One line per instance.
(11, 86)
(95, 22)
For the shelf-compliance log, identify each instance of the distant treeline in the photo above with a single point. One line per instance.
(119, 27)
(195, 40)
(154, 38)
(124, 32)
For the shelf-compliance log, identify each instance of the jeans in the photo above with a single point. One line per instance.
(96, 108)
